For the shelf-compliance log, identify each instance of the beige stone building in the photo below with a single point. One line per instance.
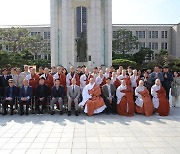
(154, 36)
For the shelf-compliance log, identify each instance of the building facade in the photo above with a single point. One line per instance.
(154, 36)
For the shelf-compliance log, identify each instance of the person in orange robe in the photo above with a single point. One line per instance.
(70, 75)
(115, 80)
(61, 76)
(48, 79)
(33, 79)
(160, 102)
(143, 101)
(101, 79)
(125, 77)
(125, 100)
(92, 99)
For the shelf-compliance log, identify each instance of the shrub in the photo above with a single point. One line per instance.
(123, 62)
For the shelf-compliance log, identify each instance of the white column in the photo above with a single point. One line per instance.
(108, 32)
(54, 4)
(95, 32)
(67, 58)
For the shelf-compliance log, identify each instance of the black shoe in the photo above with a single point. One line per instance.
(41, 112)
(61, 112)
(22, 113)
(69, 113)
(77, 113)
(107, 112)
(37, 112)
(52, 112)
(114, 112)
(11, 113)
(27, 113)
(5, 112)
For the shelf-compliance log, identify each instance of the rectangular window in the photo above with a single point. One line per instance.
(154, 34)
(46, 56)
(137, 34)
(140, 34)
(166, 34)
(162, 34)
(144, 34)
(155, 46)
(150, 35)
(162, 45)
(150, 45)
(35, 33)
(166, 46)
(114, 34)
(47, 35)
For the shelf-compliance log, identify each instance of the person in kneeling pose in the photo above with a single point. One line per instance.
(160, 102)
(92, 99)
(143, 101)
(125, 100)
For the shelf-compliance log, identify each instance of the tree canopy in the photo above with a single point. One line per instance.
(144, 55)
(124, 41)
(19, 39)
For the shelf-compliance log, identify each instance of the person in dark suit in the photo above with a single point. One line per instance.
(4, 81)
(157, 74)
(9, 96)
(73, 93)
(109, 96)
(57, 96)
(147, 81)
(26, 93)
(41, 95)
(168, 78)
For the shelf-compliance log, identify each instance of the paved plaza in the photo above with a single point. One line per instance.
(106, 134)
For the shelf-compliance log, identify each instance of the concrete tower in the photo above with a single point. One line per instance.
(71, 18)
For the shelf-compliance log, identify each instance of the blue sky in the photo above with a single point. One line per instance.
(28, 12)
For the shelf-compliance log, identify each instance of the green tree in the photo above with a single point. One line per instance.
(19, 39)
(163, 58)
(9, 60)
(124, 41)
(144, 55)
(14, 38)
(123, 62)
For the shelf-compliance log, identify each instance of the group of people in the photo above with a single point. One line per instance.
(122, 91)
